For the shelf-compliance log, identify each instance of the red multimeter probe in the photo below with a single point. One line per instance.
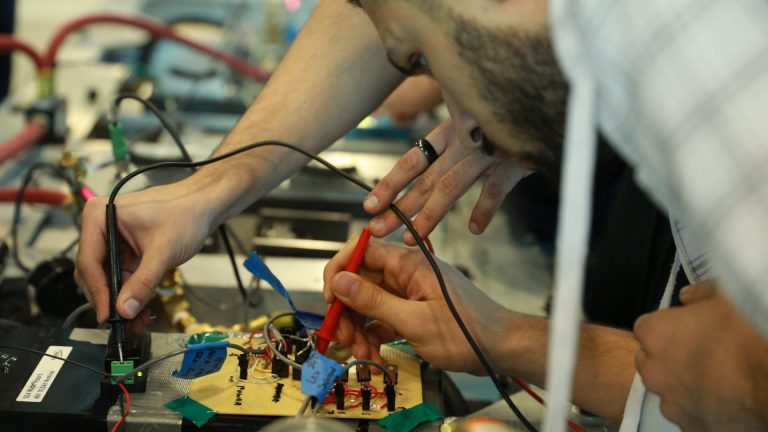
(328, 329)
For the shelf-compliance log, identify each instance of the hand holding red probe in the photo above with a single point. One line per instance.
(327, 331)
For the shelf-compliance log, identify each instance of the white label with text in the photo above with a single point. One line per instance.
(42, 378)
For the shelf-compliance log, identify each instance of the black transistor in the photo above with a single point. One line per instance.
(366, 393)
(279, 367)
(391, 376)
(363, 373)
(344, 376)
(338, 392)
(242, 363)
(301, 356)
(389, 390)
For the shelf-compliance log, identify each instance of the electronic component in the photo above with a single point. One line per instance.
(391, 376)
(302, 355)
(242, 364)
(136, 350)
(264, 394)
(120, 368)
(279, 367)
(338, 393)
(365, 392)
(363, 373)
(344, 377)
(389, 390)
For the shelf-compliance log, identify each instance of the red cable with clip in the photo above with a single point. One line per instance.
(328, 329)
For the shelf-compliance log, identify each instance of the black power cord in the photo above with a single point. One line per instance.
(403, 218)
(166, 123)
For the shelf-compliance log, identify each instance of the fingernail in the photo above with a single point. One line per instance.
(686, 292)
(345, 286)
(408, 238)
(132, 306)
(474, 228)
(371, 203)
(476, 134)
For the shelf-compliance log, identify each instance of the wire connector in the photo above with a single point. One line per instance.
(117, 136)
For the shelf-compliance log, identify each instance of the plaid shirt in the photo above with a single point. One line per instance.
(681, 90)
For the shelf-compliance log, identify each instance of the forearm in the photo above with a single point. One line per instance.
(604, 369)
(334, 74)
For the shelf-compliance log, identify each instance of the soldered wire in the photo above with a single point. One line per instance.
(268, 340)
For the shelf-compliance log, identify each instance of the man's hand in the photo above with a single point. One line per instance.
(709, 367)
(397, 288)
(437, 187)
(159, 228)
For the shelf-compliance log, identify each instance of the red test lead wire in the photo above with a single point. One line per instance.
(328, 330)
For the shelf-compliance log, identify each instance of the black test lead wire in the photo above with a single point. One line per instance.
(166, 123)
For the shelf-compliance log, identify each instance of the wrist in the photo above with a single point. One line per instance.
(224, 189)
(520, 346)
(506, 339)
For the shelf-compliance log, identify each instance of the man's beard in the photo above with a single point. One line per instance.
(518, 77)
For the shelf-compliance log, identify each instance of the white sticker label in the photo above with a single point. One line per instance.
(42, 378)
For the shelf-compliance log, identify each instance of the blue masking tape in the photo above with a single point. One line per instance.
(309, 320)
(256, 266)
(202, 359)
(318, 374)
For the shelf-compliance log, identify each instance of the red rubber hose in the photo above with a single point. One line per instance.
(157, 30)
(10, 43)
(34, 196)
(29, 136)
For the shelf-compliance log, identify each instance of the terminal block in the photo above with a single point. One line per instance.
(137, 350)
